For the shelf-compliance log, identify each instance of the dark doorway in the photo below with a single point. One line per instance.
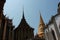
(53, 35)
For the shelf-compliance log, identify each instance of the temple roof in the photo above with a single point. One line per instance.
(23, 24)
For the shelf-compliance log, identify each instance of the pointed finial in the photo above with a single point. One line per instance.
(40, 13)
(23, 12)
(41, 19)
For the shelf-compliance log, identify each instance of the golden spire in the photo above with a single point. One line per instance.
(41, 28)
(41, 20)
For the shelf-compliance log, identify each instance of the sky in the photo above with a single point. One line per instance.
(32, 10)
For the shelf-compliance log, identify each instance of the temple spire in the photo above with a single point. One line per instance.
(41, 20)
(41, 28)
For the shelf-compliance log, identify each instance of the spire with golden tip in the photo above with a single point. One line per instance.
(41, 28)
(41, 20)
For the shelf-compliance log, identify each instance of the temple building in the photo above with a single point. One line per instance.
(52, 29)
(23, 31)
(7, 30)
(6, 26)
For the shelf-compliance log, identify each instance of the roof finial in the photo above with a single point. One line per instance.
(40, 13)
(23, 12)
(41, 19)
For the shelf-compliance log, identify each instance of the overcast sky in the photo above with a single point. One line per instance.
(14, 10)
